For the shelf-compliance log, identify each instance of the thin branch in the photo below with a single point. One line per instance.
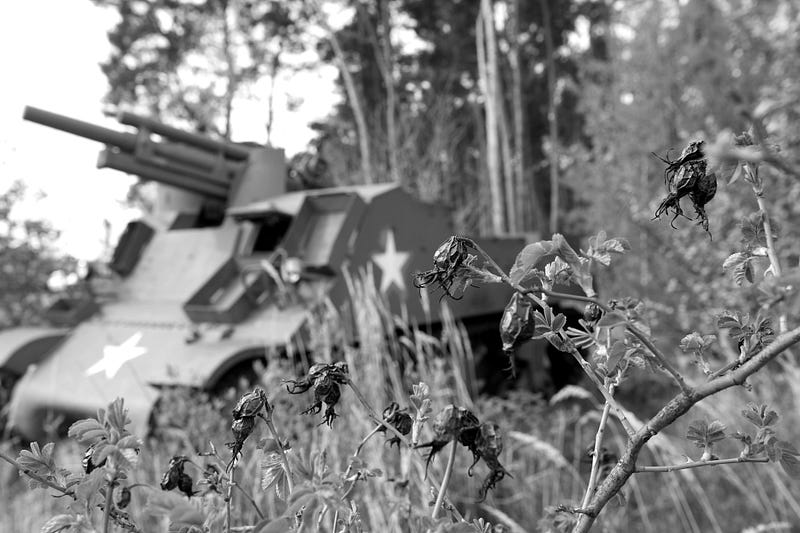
(109, 504)
(700, 464)
(451, 459)
(598, 446)
(589, 371)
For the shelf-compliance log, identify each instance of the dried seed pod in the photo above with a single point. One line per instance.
(241, 428)
(174, 471)
(326, 380)
(123, 498)
(251, 404)
(398, 419)
(185, 485)
(450, 424)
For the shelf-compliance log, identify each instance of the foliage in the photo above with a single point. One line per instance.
(27, 259)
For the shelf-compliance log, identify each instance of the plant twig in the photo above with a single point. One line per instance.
(376, 418)
(700, 464)
(228, 498)
(607, 395)
(109, 503)
(451, 459)
(598, 446)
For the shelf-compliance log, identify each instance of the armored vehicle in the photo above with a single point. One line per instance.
(196, 292)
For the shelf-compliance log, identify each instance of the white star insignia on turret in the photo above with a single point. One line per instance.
(391, 262)
(116, 356)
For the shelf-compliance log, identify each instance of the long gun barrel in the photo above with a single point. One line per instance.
(185, 160)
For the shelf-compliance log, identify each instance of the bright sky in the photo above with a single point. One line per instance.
(49, 53)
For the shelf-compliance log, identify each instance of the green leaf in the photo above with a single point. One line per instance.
(87, 431)
(611, 319)
(273, 474)
(61, 522)
(789, 458)
(704, 434)
(527, 260)
(697, 342)
(600, 248)
(760, 416)
(117, 416)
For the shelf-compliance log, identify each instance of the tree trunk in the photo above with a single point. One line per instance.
(388, 80)
(552, 115)
(230, 68)
(353, 98)
(271, 98)
(485, 20)
(384, 58)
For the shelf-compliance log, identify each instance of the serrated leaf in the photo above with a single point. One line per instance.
(87, 431)
(559, 321)
(728, 320)
(791, 465)
(89, 486)
(117, 415)
(703, 434)
(611, 319)
(528, 258)
(61, 522)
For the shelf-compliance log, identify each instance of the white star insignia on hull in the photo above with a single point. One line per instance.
(116, 356)
(391, 262)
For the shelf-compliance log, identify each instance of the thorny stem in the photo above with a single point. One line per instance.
(589, 371)
(700, 464)
(365, 439)
(228, 479)
(598, 445)
(109, 503)
(285, 460)
(376, 418)
(445, 480)
(228, 498)
(774, 260)
(672, 410)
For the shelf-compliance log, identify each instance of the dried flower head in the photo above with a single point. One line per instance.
(398, 419)
(448, 426)
(123, 498)
(175, 477)
(686, 176)
(325, 379)
(453, 268)
(251, 404)
(241, 428)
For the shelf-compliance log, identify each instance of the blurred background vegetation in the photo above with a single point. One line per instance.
(527, 117)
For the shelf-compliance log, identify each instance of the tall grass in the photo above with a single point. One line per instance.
(545, 442)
